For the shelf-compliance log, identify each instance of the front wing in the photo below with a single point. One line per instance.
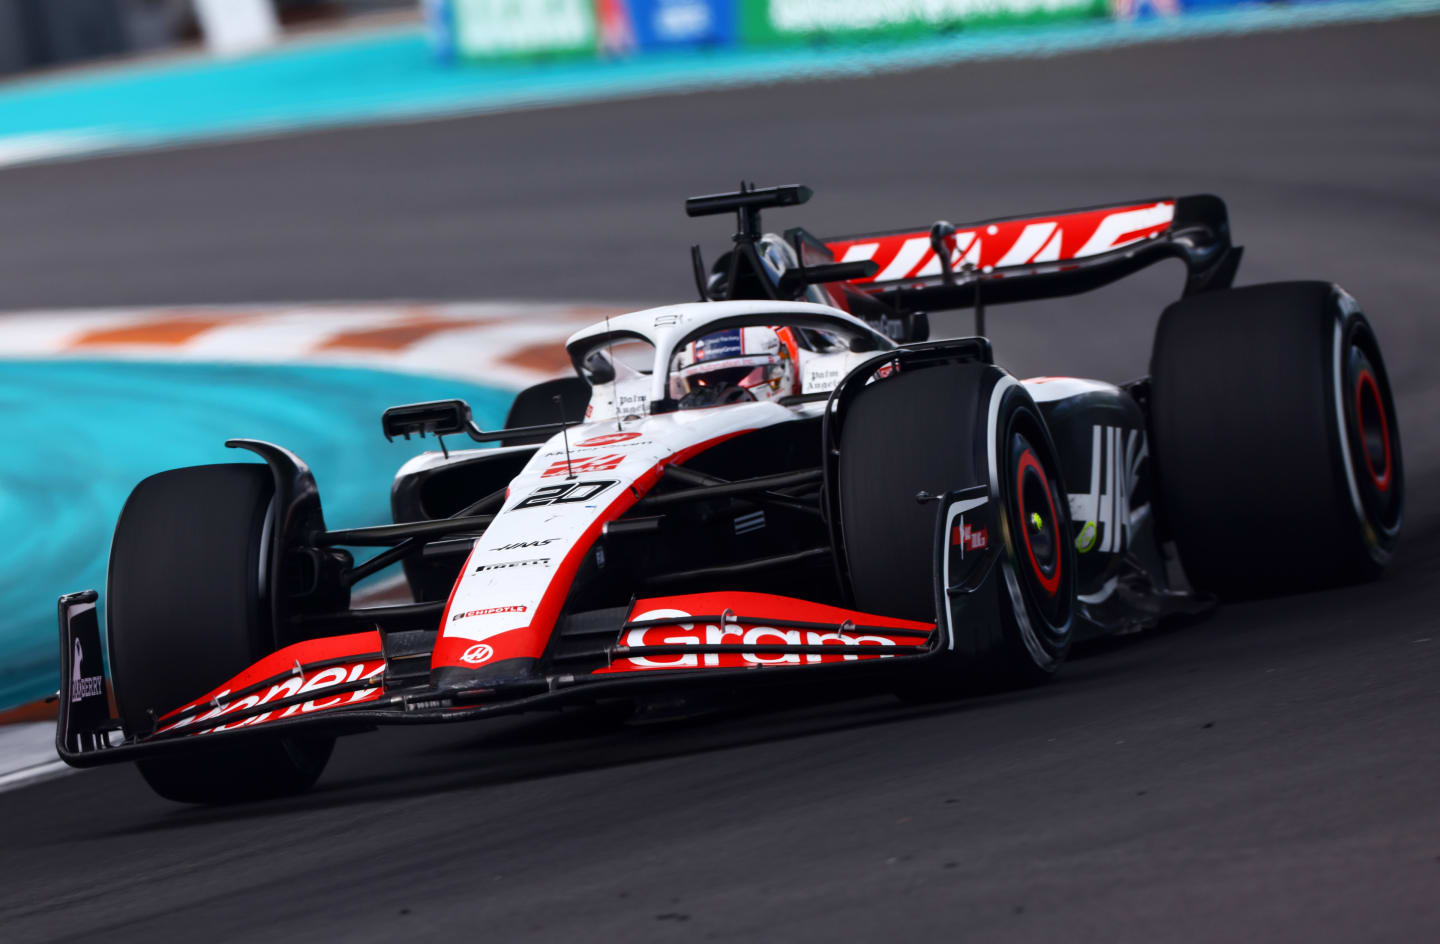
(354, 682)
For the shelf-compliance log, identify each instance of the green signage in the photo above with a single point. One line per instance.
(491, 29)
(772, 21)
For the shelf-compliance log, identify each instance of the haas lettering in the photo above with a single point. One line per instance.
(1104, 513)
(517, 546)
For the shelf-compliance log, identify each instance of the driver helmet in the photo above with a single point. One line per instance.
(736, 365)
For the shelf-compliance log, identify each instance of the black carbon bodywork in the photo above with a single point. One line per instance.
(1100, 431)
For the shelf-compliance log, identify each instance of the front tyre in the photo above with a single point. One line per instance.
(940, 429)
(1040, 566)
(187, 609)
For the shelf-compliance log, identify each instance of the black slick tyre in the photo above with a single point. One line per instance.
(186, 609)
(1276, 443)
(940, 429)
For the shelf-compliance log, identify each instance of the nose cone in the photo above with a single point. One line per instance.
(512, 676)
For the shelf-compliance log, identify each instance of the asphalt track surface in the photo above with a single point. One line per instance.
(1267, 773)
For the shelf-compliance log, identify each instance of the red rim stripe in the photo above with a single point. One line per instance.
(1365, 379)
(1028, 461)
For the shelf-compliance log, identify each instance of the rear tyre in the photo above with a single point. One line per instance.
(1275, 439)
(187, 609)
(933, 430)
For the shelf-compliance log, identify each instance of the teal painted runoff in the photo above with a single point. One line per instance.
(80, 434)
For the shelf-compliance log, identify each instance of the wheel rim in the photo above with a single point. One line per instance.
(1374, 445)
(1039, 523)
(1037, 526)
(1374, 429)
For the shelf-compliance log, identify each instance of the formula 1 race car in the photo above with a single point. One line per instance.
(783, 481)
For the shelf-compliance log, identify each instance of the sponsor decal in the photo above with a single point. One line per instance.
(713, 634)
(633, 405)
(507, 565)
(305, 684)
(607, 439)
(822, 378)
(489, 611)
(83, 686)
(579, 466)
(969, 538)
(520, 544)
(1103, 513)
(728, 343)
(564, 494)
(729, 362)
(477, 654)
(968, 524)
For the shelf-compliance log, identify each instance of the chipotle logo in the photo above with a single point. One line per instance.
(488, 611)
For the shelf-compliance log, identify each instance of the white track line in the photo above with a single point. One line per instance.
(27, 755)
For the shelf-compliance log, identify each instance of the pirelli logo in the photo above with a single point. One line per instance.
(511, 565)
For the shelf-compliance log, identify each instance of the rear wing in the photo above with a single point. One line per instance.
(1022, 258)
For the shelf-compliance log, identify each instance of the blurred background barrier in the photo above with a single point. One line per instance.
(366, 61)
(40, 34)
(237, 27)
(46, 34)
(490, 29)
(499, 29)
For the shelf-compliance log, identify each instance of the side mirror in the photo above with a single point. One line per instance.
(598, 369)
(436, 417)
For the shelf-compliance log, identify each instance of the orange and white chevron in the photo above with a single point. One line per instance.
(506, 344)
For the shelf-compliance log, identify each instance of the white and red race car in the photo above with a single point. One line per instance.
(780, 480)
